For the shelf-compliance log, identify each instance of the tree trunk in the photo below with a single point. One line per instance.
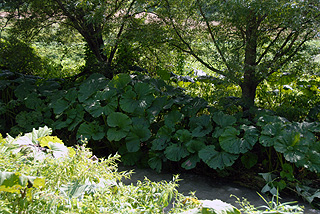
(250, 81)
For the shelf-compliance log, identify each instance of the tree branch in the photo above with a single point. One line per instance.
(213, 38)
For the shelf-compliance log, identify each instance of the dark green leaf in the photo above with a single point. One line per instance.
(91, 85)
(183, 135)
(191, 162)
(116, 134)
(137, 135)
(270, 133)
(118, 119)
(91, 130)
(120, 81)
(200, 126)
(230, 142)
(155, 163)
(310, 161)
(249, 160)
(289, 144)
(195, 145)
(175, 152)
(216, 159)
(172, 118)
(223, 120)
(128, 101)
(60, 105)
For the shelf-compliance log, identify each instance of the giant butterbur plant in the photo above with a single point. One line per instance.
(151, 122)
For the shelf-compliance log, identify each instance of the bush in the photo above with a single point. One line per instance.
(39, 174)
(151, 123)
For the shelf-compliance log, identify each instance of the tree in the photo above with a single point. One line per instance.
(243, 41)
(104, 25)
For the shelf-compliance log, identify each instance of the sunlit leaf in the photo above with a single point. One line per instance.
(44, 141)
(91, 85)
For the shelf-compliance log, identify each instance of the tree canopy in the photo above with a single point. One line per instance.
(243, 41)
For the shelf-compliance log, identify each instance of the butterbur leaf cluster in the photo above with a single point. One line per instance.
(151, 122)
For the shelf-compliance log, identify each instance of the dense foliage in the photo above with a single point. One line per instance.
(38, 174)
(150, 122)
(256, 111)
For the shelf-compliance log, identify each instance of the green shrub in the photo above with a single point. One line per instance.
(39, 174)
(150, 122)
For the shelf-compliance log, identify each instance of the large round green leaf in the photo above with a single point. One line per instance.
(155, 163)
(231, 142)
(176, 152)
(128, 101)
(91, 130)
(194, 106)
(222, 119)
(215, 159)
(137, 135)
(144, 90)
(289, 144)
(138, 100)
(116, 134)
(91, 85)
(200, 126)
(118, 119)
(162, 138)
(183, 135)
(173, 118)
(120, 81)
(194, 146)
(191, 162)
(270, 133)
(310, 161)
(103, 103)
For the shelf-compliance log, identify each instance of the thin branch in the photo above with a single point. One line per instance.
(213, 38)
(290, 56)
(270, 45)
(190, 50)
(114, 49)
